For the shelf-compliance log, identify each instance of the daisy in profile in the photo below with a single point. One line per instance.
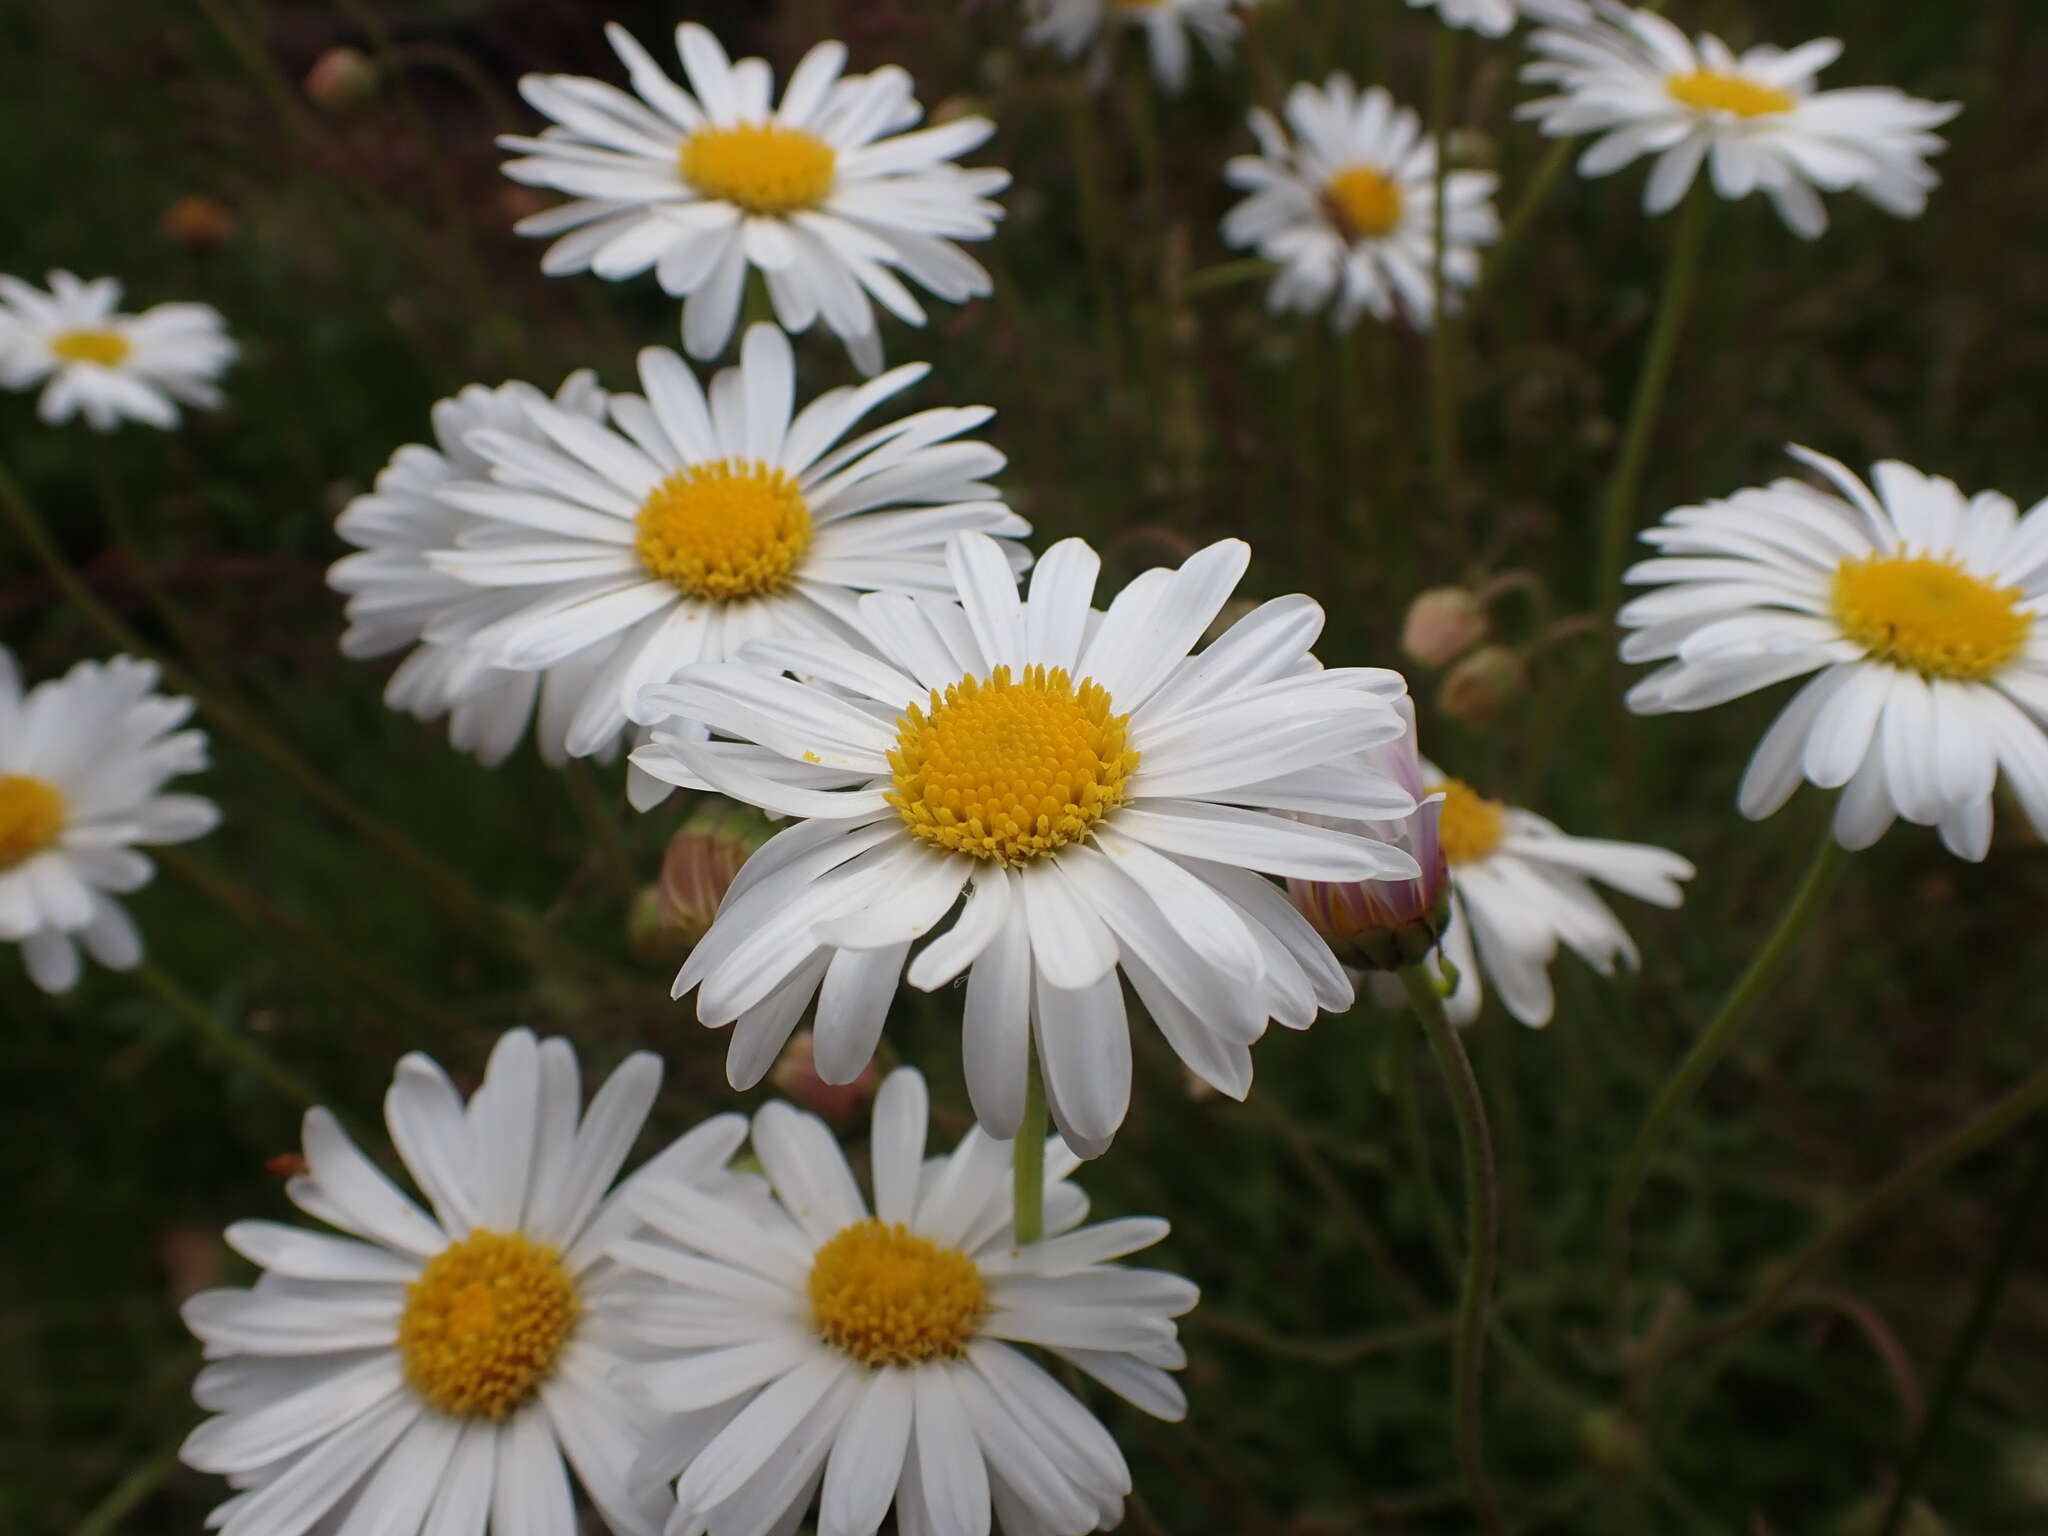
(83, 765)
(1913, 610)
(1347, 207)
(1105, 801)
(691, 524)
(429, 1369)
(1757, 118)
(1171, 27)
(870, 1358)
(395, 592)
(93, 361)
(1496, 18)
(829, 196)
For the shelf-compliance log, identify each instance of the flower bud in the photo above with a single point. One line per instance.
(1442, 625)
(341, 78)
(702, 859)
(1482, 685)
(197, 223)
(795, 1077)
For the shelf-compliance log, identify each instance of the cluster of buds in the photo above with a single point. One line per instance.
(1449, 627)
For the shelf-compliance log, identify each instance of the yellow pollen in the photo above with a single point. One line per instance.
(889, 1297)
(1929, 615)
(761, 167)
(1365, 203)
(729, 528)
(1710, 91)
(1011, 768)
(1469, 826)
(107, 348)
(31, 818)
(484, 1324)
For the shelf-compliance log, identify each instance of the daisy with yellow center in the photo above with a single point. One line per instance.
(88, 359)
(1097, 803)
(1914, 609)
(816, 1350)
(435, 1364)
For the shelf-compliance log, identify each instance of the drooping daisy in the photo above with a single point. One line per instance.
(869, 1357)
(395, 592)
(96, 362)
(1918, 607)
(429, 1373)
(689, 526)
(83, 764)
(1106, 796)
(1171, 27)
(1496, 18)
(1347, 207)
(1756, 118)
(828, 196)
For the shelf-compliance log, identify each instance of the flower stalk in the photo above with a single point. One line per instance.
(1027, 1160)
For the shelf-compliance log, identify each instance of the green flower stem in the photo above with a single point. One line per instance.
(1227, 274)
(1408, 1103)
(1618, 510)
(1482, 1225)
(1027, 1160)
(1520, 222)
(1443, 332)
(214, 1032)
(111, 1513)
(1829, 860)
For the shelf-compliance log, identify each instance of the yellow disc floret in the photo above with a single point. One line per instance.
(1929, 615)
(1708, 90)
(1469, 826)
(1364, 202)
(484, 1324)
(31, 818)
(107, 348)
(1011, 768)
(889, 1297)
(761, 167)
(730, 528)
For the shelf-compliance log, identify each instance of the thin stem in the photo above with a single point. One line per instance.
(107, 1516)
(1482, 1226)
(1098, 226)
(1617, 518)
(1227, 274)
(1027, 1160)
(1520, 222)
(215, 1032)
(1415, 1133)
(1443, 333)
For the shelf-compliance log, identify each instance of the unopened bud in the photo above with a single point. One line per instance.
(702, 860)
(1442, 625)
(341, 78)
(197, 223)
(1482, 685)
(795, 1076)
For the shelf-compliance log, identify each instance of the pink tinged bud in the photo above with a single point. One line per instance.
(1482, 685)
(341, 78)
(795, 1077)
(701, 862)
(1442, 625)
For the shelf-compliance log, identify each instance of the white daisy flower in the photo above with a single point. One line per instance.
(395, 592)
(1496, 18)
(83, 764)
(95, 362)
(430, 1372)
(1756, 118)
(811, 1347)
(1105, 795)
(1918, 607)
(691, 525)
(1347, 207)
(1171, 27)
(829, 195)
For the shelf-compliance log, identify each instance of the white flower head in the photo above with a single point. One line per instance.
(1496, 18)
(429, 1372)
(93, 361)
(868, 1357)
(1102, 797)
(829, 195)
(83, 764)
(1917, 610)
(1347, 207)
(691, 523)
(1757, 119)
(1171, 27)
(395, 593)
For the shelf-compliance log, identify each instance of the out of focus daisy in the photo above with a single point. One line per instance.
(1496, 18)
(868, 1357)
(829, 196)
(692, 524)
(429, 1372)
(1102, 796)
(83, 764)
(1171, 27)
(1347, 207)
(395, 592)
(93, 361)
(1917, 607)
(1757, 119)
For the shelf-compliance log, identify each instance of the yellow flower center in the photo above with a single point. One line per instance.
(761, 167)
(889, 1297)
(31, 818)
(1929, 615)
(1365, 203)
(1469, 826)
(730, 528)
(1708, 90)
(1011, 768)
(107, 348)
(484, 1324)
